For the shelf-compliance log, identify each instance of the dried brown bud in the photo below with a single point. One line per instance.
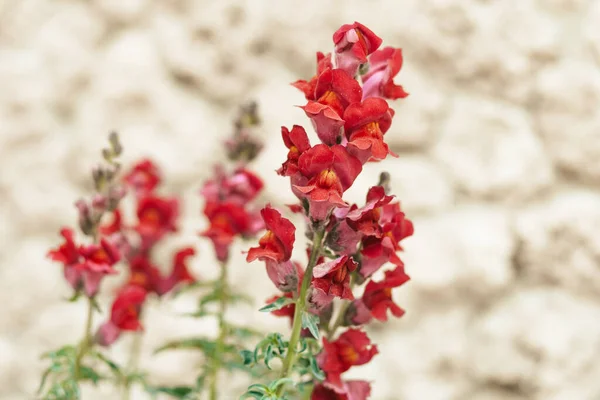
(384, 181)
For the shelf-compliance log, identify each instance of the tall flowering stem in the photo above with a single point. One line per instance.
(231, 215)
(347, 107)
(84, 268)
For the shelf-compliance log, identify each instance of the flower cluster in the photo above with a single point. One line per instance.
(156, 218)
(346, 103)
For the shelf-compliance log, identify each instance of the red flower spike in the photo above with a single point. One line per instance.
(331, 171)
(308, 87)
(366, 220)
(143, 177)
(333, 277)
(277, 243)
(366, 123)
(337, 89)
(353, 347)
(384, 65)
(353, 43)
(124, 315)
(378, 295)
(226, 221)
(352, 390)
(156, 217)
(327, 122)
(297, 142)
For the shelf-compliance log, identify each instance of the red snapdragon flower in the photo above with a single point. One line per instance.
(333, 277)
(308, 87)
(275, 248)
(180, 272)
(353, 43)
(327, 122)
(143, 177)
(116, 225)
(278, 242)
(366, 219)
(85, 266)
(97, 262)
(384, 65)
(227, 220)
(335, 90)
(352, 390)
(365, 125)
(297, 142)
(144, 274)
(241, 187)
(156, 217)
(124, 315)
(330, 172)
(68, 254)
(377, 298)
(376, 251)
(353, 347)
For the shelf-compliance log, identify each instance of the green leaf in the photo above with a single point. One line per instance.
(186, 288)
(316, 370)
(243, 332)
(248, 357)
(114, 367)
(96, 306)
(240, 298)
(268, 355)
(202, 344)
(281, 381)
(252, 394)
(43, 381)
(75, 297)
(258, 387)
(277, 304)
(178, 392)
(65, 351)
(311, 322)
(89, 373)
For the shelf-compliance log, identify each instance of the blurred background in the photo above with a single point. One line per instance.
(499, 168)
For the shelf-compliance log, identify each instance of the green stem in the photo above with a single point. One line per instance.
(85, 344)
(290, 357)
(216, 358)
(132, 364)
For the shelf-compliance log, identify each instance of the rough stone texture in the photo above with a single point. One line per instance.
(563, 250)
(488, 147)
(499, 166)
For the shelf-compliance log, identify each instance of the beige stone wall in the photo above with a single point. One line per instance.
(499, 167)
